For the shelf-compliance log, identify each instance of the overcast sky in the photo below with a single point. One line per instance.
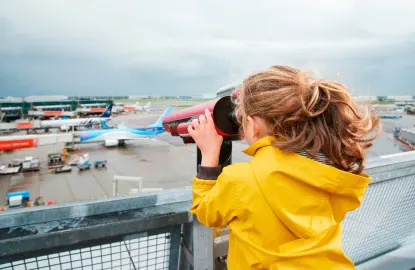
(167, 47)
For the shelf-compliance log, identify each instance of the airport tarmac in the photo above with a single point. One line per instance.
(164, 163)
(386, 144)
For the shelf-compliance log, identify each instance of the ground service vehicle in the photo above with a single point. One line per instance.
(62, 169)
(100, 163)
(55, 160)
(84, 166)
(31, 164)
(18, 199)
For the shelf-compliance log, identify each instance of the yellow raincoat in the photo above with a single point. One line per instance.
(284, 210)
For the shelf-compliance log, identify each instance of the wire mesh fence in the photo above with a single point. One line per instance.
(384, 221)
(148, 252)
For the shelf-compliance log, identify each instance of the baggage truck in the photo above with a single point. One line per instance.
(31, 164)
(408, 135)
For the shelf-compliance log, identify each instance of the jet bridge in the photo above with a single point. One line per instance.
(28, 141)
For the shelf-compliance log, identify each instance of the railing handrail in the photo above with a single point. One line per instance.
(39, 214)
(392, 159)
(390, 167)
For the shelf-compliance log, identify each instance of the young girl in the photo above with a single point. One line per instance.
(284, 208)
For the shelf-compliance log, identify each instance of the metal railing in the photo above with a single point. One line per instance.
(155, 230)
(136, 232)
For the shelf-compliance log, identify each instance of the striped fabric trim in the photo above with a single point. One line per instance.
(320, 157)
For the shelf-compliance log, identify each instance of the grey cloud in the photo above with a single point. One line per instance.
(192, 47)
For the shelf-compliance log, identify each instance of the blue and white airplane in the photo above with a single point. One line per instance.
(118, 136)
(67, 124)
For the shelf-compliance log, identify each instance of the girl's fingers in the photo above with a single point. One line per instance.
(202, 119)
(190, 130)
(195, 124)
(208, 115)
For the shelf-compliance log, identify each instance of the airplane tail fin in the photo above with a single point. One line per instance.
(107, 112)
(159, 122)
(104, 125)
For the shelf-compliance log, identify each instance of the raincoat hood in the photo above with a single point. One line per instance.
(315, 196)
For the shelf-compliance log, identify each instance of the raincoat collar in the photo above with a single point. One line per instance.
(263, 142)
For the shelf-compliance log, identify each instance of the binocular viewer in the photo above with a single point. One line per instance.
(223, 115)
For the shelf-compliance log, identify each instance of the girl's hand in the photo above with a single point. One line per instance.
(204, 134)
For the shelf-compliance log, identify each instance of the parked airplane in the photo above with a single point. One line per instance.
(136, 107)
(118, 108)
(69, 123)
(118, 136)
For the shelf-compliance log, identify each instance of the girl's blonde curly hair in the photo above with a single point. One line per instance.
(311, 115)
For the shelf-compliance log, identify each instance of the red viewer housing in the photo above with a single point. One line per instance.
(222, 112)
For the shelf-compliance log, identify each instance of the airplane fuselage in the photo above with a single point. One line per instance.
(72, 122)
(121, 134)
